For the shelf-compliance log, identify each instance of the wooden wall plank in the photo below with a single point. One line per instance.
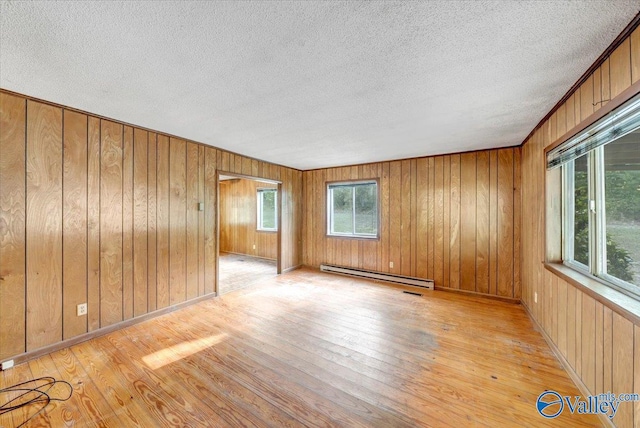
(431, 215)
(210, 227)
(110, 223)
(74, 227)
(438, 222)
(162, 223)
(562, 316)
(588, 342)
(395, 216)
(599, 348)
(454, 252)
(622, 377)
(493, 222)
(12, 218)
(483, 212)
(152, 223)
(405, 215)
(607, 356)
(127, 223)
(177, 221)
(468, 183)
(421, 220)
(517, 223)
(505, 222)
(192, 221)
(43, 225)
(620, 68)
(201, 220)
(93, 224)
(635, 56)
(586, 98)
(140, 223)
(636, 368)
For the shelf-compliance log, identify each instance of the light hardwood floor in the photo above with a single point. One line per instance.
(240, 271)
(311, 349)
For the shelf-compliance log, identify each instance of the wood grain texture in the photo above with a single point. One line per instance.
(152, 222)
(111, 223)
(623, 363)
(201, 220)
(298, 359)
(620, 68)
(597, 341)
(93, 224)
(468, 184)
(238, 220)
(12, 225)
(127, 223)
(162, 222)
(210, 226)
(192, 179)
(483, 218)
(43, 225)
(140, 222)
(635, 56)
(177, 221)
(505, 223)
(74, 227)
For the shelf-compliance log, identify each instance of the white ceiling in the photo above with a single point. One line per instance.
(311, 84)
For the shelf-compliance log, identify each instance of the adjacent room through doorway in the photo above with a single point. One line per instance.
(248, 231)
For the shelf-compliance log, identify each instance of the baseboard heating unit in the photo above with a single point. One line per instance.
(388, 277)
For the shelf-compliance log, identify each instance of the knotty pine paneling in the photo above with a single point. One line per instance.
(238, 219)
(94, 211)
(12, 223)
(440, 218)
(596, 342)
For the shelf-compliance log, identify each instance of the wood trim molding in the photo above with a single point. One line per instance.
(626, 306)
(21, 358)
(565, 364)
(616, 102)
(635, 22)
(292, 268)
(476, 294)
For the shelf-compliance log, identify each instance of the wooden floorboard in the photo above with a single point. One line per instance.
(309, 349)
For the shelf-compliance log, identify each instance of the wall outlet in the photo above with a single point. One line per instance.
(82, 309)
(7, 365)
(535, 297)
(254, 246)
(390, 265)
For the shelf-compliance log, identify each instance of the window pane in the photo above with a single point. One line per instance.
(366, 209)
(342, 209)
(269, 209)
(622, 203)
(581, 214)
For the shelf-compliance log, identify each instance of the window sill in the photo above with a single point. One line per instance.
(266, 231)
(625, 305)
(360, 238)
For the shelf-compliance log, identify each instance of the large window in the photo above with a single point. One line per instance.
(601, 198)
(352, 209)
(268, 210)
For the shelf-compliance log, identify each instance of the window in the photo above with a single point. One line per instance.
(268, 210)
(352, 209)
(601, 198)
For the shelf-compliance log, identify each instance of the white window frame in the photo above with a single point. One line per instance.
(597, 223)
(330, 216)
(259, 194)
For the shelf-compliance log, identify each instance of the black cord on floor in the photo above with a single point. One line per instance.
(40, 389)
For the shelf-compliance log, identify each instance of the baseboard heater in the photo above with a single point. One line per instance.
(388, 277)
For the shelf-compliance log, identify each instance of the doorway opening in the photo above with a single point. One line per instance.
(248, 231)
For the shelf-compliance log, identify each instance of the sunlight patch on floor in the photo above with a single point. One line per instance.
(182, 350)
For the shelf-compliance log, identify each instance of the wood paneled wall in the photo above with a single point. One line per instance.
(601, 345)
(96, 211)
(454, 219)
(238, 220)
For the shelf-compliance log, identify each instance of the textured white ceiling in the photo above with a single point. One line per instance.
(311, 84)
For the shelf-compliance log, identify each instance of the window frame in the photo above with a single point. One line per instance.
(260, 191)
(597, 245)
(329, 205)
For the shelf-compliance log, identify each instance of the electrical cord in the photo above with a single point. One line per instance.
(41, 389)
